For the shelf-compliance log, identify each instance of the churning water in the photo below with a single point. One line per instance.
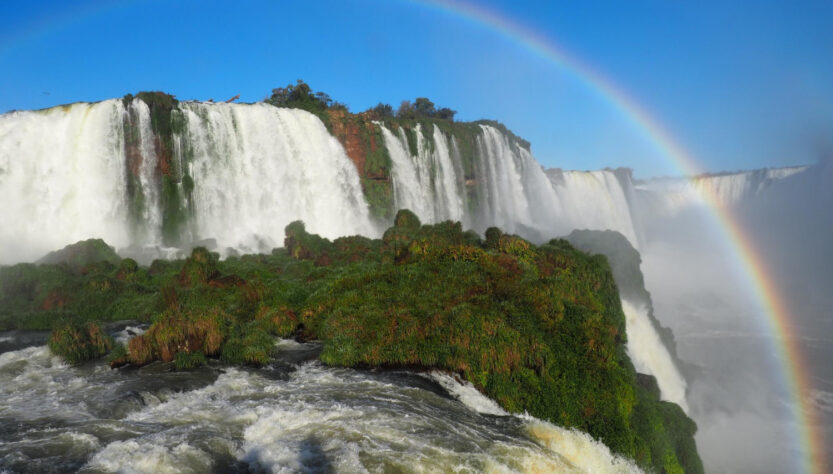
(294, 415)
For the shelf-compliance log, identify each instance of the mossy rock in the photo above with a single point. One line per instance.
(81, 254)
(406, 219)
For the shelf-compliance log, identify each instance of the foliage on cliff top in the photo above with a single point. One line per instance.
(625, 263)
(537, 328)
(301, 96)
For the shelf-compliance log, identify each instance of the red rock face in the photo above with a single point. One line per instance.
(163, 158)
(132, 150)
(346, 129)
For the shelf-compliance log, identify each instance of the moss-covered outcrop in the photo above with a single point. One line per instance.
(83, 253)
(363, 142)
(537, 328)
(625, 263)
(167, 123)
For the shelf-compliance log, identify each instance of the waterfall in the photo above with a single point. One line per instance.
(595, 200)
(256, 168)
(668, 196)
(62, 179)
(509, 183)
(428, 183)
(650, 356)
(234, 173)
(149, 222)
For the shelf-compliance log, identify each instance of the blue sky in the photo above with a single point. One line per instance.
(740, 85)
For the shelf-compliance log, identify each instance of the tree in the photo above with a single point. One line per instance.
(406, 110)
(381, 111)
(301, 96)
(446, 114)
(424, 107)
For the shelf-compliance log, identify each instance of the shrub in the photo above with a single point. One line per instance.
(77, 343)
(189, 360)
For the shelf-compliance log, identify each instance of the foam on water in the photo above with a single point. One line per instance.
(147, 457)
(468, 395)
(315, 418)
(568, 450)
(123, 336)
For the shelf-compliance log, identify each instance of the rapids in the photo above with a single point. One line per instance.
(293, 415)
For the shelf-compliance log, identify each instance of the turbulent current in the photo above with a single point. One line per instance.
(294, 415)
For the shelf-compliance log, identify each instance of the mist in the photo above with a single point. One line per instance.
(738, 393)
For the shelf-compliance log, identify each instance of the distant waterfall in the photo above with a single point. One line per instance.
(595, 200)
(427, 183)
(510, 187)
(668, 196)
(509, 183)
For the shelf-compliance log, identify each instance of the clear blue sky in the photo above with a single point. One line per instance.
(739, 84)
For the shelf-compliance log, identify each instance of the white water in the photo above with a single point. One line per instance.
(669, 196)
(511, 185)
(307, 418)
(428, 183)
(61, 179)
(256, 168)
(151, 228)
(576, 451)
(650, 356)
(595, 200)
(513, 192)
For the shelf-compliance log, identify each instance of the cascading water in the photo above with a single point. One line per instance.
(241, 172)
(595, 200)
(667, 196)
(650, 356)
(61, 179)
(256, 168)
(508, 183)
(148, 223)
(427, 183)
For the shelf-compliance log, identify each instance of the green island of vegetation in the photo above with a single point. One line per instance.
(539, 329)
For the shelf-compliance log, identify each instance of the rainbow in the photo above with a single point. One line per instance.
(778, 319)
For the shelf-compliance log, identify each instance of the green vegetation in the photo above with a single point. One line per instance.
(166, 122)
(423, 108)
(81, 254)
(537, 328)
(625, 263)
(77, 343)
(301, 96)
